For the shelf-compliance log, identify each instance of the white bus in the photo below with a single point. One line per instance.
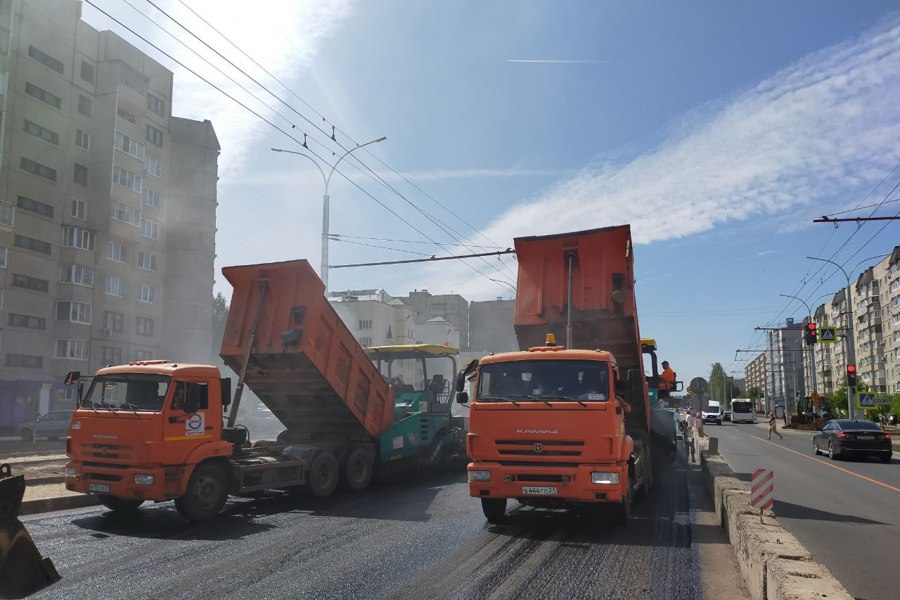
(742, 410)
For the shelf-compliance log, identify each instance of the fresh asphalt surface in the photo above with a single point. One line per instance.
(846, 512)
(422, 539)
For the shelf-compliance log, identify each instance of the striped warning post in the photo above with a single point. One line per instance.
(762, 489)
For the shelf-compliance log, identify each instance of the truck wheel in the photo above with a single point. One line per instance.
(358, 470)
(322, 477)
(494, 509)
(622, 512)
(120, 504)
(206, 493)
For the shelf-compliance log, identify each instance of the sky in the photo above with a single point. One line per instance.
(717, 130)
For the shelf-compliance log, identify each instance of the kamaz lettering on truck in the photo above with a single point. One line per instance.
(553, 425)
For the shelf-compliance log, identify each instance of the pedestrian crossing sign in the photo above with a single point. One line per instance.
(828, 335)
(869, 400)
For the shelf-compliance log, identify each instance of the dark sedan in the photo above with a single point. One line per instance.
(846, 437)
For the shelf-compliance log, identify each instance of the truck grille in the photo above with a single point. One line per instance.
(106, 452)
(539, 448)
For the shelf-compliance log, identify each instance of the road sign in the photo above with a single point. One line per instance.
(762, 489)
(870, 400)
(699, 385)
(828, 335)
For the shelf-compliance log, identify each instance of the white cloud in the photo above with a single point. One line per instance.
(828, 123)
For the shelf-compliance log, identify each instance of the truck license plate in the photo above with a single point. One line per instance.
(101, 488)
(539, 491)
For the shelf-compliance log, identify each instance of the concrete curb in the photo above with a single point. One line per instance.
(42, 505)
(773, 563)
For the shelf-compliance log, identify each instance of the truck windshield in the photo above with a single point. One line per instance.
(132, 392)
(557, 380)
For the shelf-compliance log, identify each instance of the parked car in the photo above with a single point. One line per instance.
(53, 425)
(726, 415)
(846, 437)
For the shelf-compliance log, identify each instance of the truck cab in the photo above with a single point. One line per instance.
(140, 430)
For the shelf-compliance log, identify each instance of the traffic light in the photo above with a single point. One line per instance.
(851, 375)
(811, 334)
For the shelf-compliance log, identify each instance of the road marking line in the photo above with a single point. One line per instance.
(823, 463)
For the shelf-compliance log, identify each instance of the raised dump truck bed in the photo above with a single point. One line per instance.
(305, 365)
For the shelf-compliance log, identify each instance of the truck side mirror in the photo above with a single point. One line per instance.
(462, 397)
(460, 381)
(225, 386)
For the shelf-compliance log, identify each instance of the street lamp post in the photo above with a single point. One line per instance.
(323, 269)
(850, 342)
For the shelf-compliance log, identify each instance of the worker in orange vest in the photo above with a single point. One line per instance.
(666, 380)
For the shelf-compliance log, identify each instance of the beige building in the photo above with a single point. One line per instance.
(756, 373)
(107, 208)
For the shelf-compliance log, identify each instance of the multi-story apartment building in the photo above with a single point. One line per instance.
(452, 307)
(755, 373)
(107, 208)
(785, 383)
(890, 318)
(491, 326)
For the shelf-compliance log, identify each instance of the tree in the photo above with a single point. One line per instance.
(754, 393)
(219, 316)
(721, 387)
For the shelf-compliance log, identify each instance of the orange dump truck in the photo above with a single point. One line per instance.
(559, 425)
(158, 430)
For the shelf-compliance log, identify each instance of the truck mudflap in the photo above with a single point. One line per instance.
(23, 571)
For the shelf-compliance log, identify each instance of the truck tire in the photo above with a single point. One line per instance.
(120, 505)
(206, 493)
(357, 470)
(322, 477)
(622, 511)
(494, 509)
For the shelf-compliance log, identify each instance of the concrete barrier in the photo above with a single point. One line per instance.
(773, 563)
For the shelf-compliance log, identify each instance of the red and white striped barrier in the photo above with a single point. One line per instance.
(762, 489)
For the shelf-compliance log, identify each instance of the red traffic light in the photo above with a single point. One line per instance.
(851, 375)
(811, 335)
(851, 368)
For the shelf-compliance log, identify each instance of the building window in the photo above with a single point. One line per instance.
(115, 286)
(24, 361)
(37, 169)
(45, 59)
(144, 326)
(112, 355)
(365, 324)
(77, 275)
(28, 243)
(41, 132)
(125, 213)
(150, 229)
(85, 105)
(127, 179)
(147, 261)
(156, 104)
(154, 136)
(142, 355)
(45, 210)
(27, 321)
(74, 312)
(130, 146)
(113, 321)
(30, 283)
(42, 95)
(147, 293)
(115, 252)
(72, 349)
(125, 115)
(151, 197)
(365, 341)
(87, 71)
(81, 174)
(78, 209)
(82, 139)
(7, 214)
(2, 257)
(76, 237)
(154, 167)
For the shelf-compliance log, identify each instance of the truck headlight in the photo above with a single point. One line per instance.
(143, 479)
(71, 473)
(479, 475)
(604, 477)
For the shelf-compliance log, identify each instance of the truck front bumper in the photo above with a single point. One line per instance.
(572, 484)
(132, 483)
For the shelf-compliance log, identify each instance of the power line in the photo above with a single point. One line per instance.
(420, 260)
(377, 239)
(267, 121)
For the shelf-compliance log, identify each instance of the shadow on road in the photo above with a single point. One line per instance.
(788, 510)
